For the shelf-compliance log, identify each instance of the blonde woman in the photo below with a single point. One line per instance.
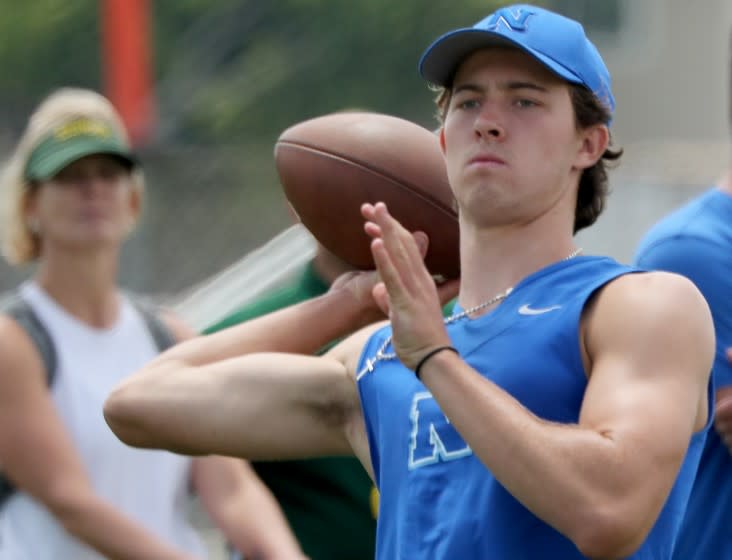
(73, 193)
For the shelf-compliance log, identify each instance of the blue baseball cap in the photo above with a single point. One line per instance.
(558, 42)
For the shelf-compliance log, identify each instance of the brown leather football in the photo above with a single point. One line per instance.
(330, 165)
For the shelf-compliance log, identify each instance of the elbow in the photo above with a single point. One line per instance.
(606, 536)
(123, 414)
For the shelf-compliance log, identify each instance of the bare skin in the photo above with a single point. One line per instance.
(514, 157)
(84, 215)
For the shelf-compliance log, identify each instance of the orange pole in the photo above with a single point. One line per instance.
(126, 65)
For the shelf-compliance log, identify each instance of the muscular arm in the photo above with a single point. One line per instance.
(258, 406)
(213, 395)
(649, 343)
(690, 255)
(38, 457)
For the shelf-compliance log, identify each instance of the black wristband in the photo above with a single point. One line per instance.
(430, 354)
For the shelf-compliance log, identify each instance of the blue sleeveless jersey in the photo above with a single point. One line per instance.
(438, 501)
(696, 241)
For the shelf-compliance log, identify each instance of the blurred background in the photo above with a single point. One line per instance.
(207, 86)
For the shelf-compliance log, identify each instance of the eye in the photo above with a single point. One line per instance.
(467, 103)
(525, 103)
(111, 170)
(68, 175)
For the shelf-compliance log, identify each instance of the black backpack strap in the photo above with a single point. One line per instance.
(150, 312)
(23, 314)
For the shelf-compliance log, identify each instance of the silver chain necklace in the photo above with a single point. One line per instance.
(381, 354)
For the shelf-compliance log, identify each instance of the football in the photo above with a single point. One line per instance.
(330, 165)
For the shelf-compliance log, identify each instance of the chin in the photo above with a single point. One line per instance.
(98, 238)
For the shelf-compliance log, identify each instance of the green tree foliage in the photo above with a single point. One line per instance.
(277, 63)
(235, 70)
(45, 44)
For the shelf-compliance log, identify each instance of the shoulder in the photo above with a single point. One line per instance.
(700, 258)
(644, 311)
(20, 362)
(349, 351)
(652, 296)
(693, 227)
(683, 253)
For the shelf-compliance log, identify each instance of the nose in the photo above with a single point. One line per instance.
(488, 125)
(93, 184)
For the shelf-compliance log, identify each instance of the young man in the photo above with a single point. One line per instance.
(696, 241)
(565, 422)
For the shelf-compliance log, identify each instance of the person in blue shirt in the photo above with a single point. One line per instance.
(696, 241)
(558, 413)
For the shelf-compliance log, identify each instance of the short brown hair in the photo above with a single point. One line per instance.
(593, 185)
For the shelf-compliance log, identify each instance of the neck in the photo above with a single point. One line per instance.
(85, 285)
(495, 259)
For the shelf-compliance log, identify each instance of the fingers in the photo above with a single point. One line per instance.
(422, 241)
(404, 248)
(374, 230)
(384, 264)
(381, 297)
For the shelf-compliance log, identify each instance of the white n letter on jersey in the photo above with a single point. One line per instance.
(433, 438)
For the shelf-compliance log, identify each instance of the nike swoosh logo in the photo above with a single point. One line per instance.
(526, 310)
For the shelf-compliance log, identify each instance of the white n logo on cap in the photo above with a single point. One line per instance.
(514, 19)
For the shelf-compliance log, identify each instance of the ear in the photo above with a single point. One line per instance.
(135, 205)
(594, 141)
(29, 206)
(441, 136)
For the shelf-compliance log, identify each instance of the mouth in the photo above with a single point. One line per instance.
(93, 214)
(486, 160)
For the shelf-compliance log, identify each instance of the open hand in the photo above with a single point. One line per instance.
(406, 292)
(361, 284)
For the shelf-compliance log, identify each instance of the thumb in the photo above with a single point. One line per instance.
(381, 296)
(422, 241)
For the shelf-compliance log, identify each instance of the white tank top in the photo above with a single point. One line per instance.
(149, 486)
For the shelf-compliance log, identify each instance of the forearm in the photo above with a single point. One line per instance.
(259, 406)
(578, 480)
(110, 532)
(303, 328)
(252, 520)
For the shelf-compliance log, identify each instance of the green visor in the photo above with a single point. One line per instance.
(73, 140)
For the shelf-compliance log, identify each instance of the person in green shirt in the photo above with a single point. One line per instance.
(330, 502)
